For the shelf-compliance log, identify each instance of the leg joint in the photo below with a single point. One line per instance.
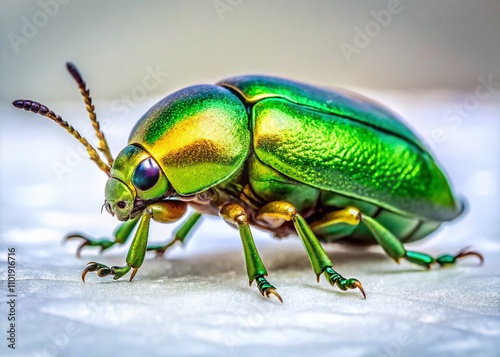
(233, 213)
(278, 210)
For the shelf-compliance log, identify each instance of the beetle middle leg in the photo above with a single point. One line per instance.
(275, 213)
(256, 270)
(122, 233)
(179, 236)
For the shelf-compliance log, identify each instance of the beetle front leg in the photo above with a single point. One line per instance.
(135, 256)
(122, 233)
(277, 212)
(235, 214)
(164, 212)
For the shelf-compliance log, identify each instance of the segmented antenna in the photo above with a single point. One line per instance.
(41, 109)
(103, 144)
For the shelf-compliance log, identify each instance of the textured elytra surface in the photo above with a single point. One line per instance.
(336, 101)
(197, 302)
(347, 157)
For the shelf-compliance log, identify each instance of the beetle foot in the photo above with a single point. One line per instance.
(266, 289)
(447, 259)
(103, 270)
(161, 249)
(342, 283)
(89, 242)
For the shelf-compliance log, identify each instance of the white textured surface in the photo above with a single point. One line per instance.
(197, 301)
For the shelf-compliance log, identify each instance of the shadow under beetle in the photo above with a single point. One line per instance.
(279, 155)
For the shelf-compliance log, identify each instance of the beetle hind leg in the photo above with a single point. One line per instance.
(395, 249)
(280, 211)
(447, 259)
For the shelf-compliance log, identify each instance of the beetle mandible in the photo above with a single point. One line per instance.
(279, 155)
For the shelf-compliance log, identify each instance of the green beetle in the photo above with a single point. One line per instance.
(279, 155)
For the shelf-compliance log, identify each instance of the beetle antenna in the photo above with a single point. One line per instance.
(41, 109)
(103, 144)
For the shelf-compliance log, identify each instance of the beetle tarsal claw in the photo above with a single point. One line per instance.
(134, 271)
(103, 270)
(272, 291)
(91, 267)
(80, 247)
(100, 269)
(335, 279)
(265, 288)
(358, 285)
(86, 242)
(467, 253)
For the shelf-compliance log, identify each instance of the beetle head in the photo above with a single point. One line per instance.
(135, 180)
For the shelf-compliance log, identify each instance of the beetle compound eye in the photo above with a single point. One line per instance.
(146, 175)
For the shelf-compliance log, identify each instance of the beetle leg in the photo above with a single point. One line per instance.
(395, 249)
(256, 270)
(279, 210)
(180, 235)
(135, 256)
(103, 270)
(121, 235)
(447, 259)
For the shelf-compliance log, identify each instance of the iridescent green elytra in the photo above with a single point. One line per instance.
(283, 156)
